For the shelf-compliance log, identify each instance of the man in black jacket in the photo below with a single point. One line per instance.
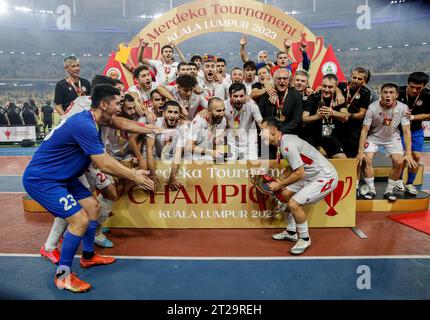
(286, 105)
(323, 117)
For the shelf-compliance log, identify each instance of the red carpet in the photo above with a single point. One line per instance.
(419, 220)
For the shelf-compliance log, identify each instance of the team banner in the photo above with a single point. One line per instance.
(243, 16)
(222, 196)
(17, 134)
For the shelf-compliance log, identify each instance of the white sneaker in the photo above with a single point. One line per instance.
(300, 246)
(410, 188)
(284, 235)
(400, 186)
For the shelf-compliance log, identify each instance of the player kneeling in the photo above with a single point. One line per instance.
(311, 179)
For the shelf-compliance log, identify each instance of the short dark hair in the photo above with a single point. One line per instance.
(363, 70)
(103, 92)
(390, 85)
(236, 68)
(137, 71)
(330, 76)
(154, 92)
(171, 103)
(419, 78)
(249, 64)
(186, 81)
(192, 64)
(167, 46)
(221, 60)
(128, 97)
(100, 79)
(281, 52)
(195, 57)
(235, 87)
(273, 122)
(181, 64)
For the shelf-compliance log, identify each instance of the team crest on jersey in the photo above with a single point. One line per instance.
(357, 96)
(114, 73)
(305, 97)
(419, 103)
(387, 122)
(84, 89)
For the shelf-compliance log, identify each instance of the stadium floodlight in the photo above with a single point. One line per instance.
(424, 43)
(22, 9)
(37, 53)
(390, 46)
(158, 15)
(369, 48)
(22, 52)
(1, 51)
(406, 45)
(337, 49)
(379, 47)
(3, 7)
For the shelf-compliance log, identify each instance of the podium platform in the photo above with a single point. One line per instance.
(404, 202)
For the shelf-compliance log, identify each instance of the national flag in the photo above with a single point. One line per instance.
(329, 64)
(114, 70)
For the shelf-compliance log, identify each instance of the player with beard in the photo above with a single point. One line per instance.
(184, 94)
(193, 69)
(236, 75)
(169, 145)
(116, 141)
(310, 179)
(380, 128)
(285, 104)
(206, 132)
(418, 101)
(242, 117)
(198, 61)
(141, 92)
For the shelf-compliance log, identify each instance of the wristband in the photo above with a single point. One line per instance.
(141, 124)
